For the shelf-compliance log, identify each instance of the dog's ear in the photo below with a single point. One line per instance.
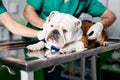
(78, 23)
(52, 14)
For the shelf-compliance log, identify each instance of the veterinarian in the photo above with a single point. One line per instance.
(36, 12)
(17, 29)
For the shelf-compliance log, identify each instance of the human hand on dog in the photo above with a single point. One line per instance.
(95, 31)
(41, 34)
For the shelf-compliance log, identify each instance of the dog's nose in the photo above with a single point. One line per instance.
(55, 31)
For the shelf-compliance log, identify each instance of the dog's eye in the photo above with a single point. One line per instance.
(51, 25)
(64, 30)
(49, 20)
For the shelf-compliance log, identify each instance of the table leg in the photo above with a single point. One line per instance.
(82, 71)
(93, 68)
(26, 75)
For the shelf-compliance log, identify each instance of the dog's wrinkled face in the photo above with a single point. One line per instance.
(61, 29)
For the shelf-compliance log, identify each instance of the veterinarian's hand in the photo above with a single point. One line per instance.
(41, 35)
(95, 31)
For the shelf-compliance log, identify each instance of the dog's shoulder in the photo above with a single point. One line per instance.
(86, 25)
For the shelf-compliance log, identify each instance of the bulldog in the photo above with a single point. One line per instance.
(63, 33)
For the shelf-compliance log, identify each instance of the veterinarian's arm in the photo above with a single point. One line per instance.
(31, 15)
(15, 27)
(108, 18)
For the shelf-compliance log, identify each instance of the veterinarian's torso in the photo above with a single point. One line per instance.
(44, 7)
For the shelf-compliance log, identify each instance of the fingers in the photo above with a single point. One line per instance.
(93, 36)
(41, 35)
(95, 31)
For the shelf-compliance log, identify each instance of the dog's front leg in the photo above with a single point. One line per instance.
(74, 47)
(37, 46)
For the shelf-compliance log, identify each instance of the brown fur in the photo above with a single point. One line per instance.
(92, 43)
(85, 41)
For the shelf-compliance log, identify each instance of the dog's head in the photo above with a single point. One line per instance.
(61, 28)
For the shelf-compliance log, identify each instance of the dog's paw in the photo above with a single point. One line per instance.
(63, 51)
(38, 46)
(105, 43)
(83, 49)
(66, 50)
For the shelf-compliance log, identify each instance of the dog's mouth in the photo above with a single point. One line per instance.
(54, 36)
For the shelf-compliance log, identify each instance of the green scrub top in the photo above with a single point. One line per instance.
(2, 8)
(44, 7)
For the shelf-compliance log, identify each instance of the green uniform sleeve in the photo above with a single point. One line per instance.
(36, 4)
(2, 8)
(96, 8)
